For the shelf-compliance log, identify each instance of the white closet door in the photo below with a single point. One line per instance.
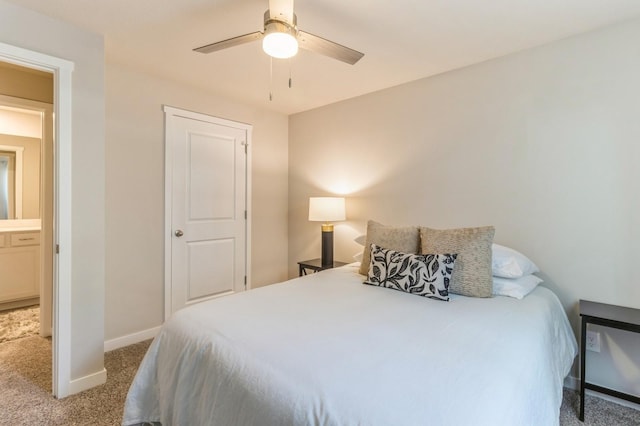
(208, 210)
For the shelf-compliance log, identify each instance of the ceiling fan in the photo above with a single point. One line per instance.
(281, 37)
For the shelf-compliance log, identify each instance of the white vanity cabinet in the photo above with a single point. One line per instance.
(19, 265)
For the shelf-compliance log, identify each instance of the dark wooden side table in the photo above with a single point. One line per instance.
(608, 316)
(315, 265)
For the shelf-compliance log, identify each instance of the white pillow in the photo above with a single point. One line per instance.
(509, 263)
(515, 287)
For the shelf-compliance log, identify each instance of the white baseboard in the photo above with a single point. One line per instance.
(87, 382)
(571, 382)
(130, 339)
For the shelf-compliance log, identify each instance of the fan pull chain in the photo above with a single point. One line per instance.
(290, 73)
(270, 78)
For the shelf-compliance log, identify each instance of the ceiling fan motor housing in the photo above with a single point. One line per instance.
(280, 25)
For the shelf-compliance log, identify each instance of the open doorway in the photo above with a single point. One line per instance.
(61, 340)
(26, 202)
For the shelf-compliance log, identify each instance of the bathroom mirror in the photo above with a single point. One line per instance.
(10, 182)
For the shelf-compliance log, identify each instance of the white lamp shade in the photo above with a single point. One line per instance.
(326, 209)
(280, 45)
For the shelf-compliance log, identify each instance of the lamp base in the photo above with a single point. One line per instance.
(327, 247)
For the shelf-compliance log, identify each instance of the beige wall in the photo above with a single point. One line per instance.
(19, 123)
(28, 84)
(543, 144)
(86, 51)
(135, 193)
(30, 173)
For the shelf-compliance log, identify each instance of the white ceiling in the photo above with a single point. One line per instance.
(403, 40)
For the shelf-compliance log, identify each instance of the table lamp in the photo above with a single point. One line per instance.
(326, 209)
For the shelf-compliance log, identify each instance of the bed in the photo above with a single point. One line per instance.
(325, 349)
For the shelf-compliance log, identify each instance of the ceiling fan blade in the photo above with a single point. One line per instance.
(326, 47)
(231, 42)
(281, 10)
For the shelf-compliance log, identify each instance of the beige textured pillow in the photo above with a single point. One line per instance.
(399, 238)
(472, 270)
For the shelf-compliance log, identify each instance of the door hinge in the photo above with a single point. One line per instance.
(57, 248)
(245, 282)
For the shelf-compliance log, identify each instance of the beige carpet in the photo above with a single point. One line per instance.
(597, 412)
(25, 386)
(19, 323)
(25, 396)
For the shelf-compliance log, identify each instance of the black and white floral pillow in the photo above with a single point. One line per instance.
(426, 275)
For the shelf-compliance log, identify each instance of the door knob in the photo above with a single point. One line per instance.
(179, 233)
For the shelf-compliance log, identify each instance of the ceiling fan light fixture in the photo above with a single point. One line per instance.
(279, 40)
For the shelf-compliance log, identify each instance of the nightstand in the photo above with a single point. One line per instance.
(315, 265)
(607, 316)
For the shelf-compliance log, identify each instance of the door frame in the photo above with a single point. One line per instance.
(169, 112)
(62, 94)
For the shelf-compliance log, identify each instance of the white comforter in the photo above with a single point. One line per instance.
(327, 350)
